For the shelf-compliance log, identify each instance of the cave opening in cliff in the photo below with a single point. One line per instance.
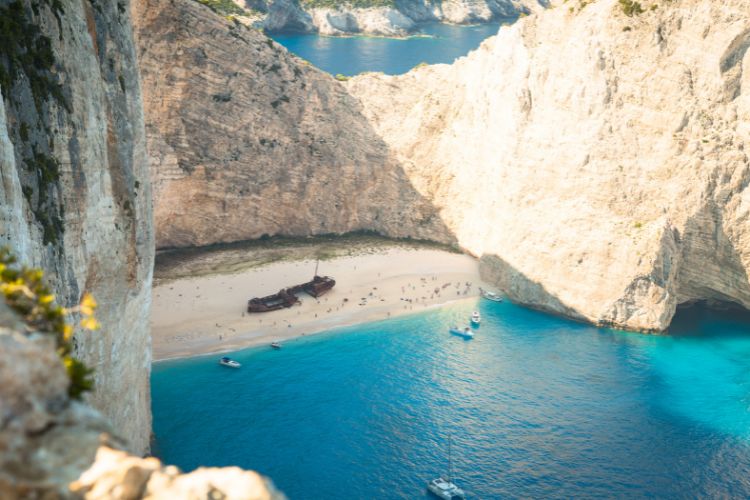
(696, 318)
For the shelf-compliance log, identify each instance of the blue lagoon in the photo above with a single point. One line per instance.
(536, 406)
(438, 43)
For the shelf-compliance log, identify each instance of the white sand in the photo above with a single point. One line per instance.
(193, 316)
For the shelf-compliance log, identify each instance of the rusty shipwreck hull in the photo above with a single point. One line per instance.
(287, 297)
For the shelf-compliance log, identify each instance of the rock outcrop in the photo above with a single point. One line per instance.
(247, 140)
(52, 447)
(381, 18)
(75, 197)
(595, 161)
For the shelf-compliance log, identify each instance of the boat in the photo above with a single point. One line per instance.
(490, 295)
(476, 318)
(444, 487)
(465, 333)
(275, 345)
(229, 362)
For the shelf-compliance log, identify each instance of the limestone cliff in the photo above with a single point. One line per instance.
(247, 140)
(55, 448)
(375, 17)
(75, 196)
(596, 161)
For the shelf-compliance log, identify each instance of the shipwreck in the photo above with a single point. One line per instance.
(287, 297)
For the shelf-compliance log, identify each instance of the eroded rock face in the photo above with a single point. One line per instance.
(399, 19)
(55, 448)
(383, 21)
(247, 140)
(599, 159)
(75, 197)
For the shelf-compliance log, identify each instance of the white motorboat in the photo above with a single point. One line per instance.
(444, 487)
(465, 333)
(476, 318)
(490, 295)
(229, 362)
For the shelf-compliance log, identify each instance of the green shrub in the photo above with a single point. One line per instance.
(24, 291)
(25, 50)
(631, 7)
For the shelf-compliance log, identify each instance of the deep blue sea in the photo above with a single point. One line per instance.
(438, 43)
(536, 406)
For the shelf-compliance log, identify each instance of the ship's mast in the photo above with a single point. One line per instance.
(450, 460)
(317, 262)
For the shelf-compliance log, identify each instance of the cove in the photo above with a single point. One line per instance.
(536, 406)
(438, 43)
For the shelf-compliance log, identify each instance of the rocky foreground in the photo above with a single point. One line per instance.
(75, 197)
(55, 448)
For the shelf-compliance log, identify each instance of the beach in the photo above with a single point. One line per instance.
(208, 313)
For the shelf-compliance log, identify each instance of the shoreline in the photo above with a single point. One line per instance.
(195, 316)
(260, 341)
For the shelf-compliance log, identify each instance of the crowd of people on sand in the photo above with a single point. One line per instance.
(413, 294)
(407, 290)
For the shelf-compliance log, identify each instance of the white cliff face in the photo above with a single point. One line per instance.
(382, 21)
(75, 197)
(247, 140)
(595, 161)
(397, 20)
(464, 11)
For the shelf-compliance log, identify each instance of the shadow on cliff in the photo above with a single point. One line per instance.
(259, 142)
(711, 268)
(524, 291)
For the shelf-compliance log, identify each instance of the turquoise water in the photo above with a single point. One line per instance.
(536, 406)
(353, 55)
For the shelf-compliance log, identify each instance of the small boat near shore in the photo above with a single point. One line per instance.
(227, 361)
(476, 318)
(490, 295)
(465, 333)
(275, 345)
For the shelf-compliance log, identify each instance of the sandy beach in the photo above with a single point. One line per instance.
(207, 314)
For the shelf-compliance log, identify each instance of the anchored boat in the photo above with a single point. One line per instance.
(226, 361)
(476, 318)
(465, 333)
(444, 487)
(490, 295)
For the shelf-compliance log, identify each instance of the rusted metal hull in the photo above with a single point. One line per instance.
(287, 297)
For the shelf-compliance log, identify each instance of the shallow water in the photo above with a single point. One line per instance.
(441, 43)
(536, 406)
